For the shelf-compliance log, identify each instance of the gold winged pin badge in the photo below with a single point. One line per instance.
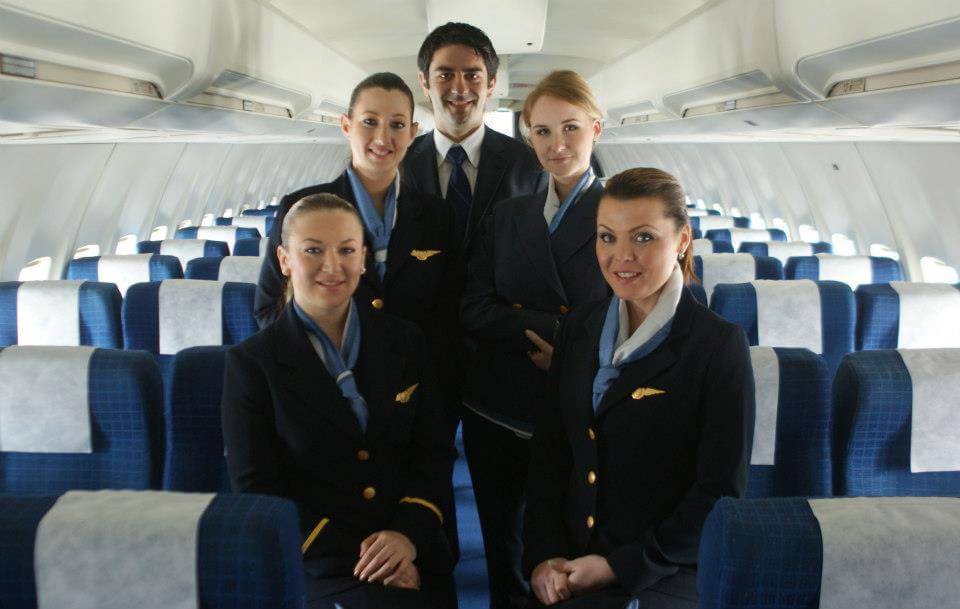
(644, 392)
(404, 396)
(423, 255)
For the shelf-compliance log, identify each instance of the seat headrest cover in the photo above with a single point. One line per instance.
(227, 234)
(184, 249)
(929, 314)
(766, 378)
(124, 270)
(935, 420)
(727, 268)
(48, 313)
(191, 314)
(45, 402)
(257, 222)
(702, 246)
(789, 314)
(889, 551)
(851, 270)
(714, 222)
(112, 549)
(740, 235)
(240, 268)
(697, 213)
(781, 250)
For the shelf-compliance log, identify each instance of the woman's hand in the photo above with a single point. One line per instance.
(406, 576)
(381, 554)
(549, 581)
(540, 358)
(588, 573)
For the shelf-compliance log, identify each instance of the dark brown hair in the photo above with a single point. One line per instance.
(323, 201)
(641, 182)
(388, 81)
(458, 33)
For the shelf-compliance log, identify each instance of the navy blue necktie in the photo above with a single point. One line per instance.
(459, 194)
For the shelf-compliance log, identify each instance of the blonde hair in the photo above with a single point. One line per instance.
(565, 85)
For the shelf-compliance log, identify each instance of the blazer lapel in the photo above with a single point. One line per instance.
(639, 373)
(378, 367)
(306, 376)
(405, 235)
(422, 163)
(578, 227)
(535, 241)
(489, 175)
(585, 345)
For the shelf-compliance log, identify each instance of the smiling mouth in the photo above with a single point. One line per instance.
(331, 285)
(379, 154)
(625, 277)
(459, 103)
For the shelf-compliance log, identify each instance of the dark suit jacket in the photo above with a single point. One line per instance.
(426, 292)
(521, 277)
(659, 461)
(290, 433)
(508, 168)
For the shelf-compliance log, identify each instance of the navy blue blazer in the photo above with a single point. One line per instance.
(289, 432)
(521, 277)
(635, 481)
(508, 168)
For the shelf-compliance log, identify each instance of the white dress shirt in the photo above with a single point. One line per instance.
(553, 202)
(471, 146)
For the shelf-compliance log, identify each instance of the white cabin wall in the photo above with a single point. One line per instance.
(58, 197)
(902, 194)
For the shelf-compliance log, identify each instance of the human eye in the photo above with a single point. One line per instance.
(443, 76)
(642, 237)
(570, 127)
(369, 122)
(313, 249)
(398, 125)
(347, 250)
(542, 131)
(605, 237)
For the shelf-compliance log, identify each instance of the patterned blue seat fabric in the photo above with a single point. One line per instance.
(190, 232)
(99, 314)
(802, 456)
(248, 247)
(211, 249)
(734, 221)
(738, 303)
(248, 222)
(758, 248)
(126, 413)
(883, 269)
(872, 422)
(231, 268)
(724, 235)
(764, 268)
(878, 317)
(248, 552)
(161, 267)
(269, 210)
(194, 455)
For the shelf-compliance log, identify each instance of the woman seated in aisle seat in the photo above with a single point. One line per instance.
(335, 406)
(648, 419)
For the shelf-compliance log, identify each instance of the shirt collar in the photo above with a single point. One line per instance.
(553, 199)
(661, 314)
(471, 145)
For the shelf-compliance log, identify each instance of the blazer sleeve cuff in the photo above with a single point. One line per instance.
(422, 526)
(638, 566)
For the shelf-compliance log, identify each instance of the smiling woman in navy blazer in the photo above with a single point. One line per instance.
(648, 420)
(335, 407)
(532, 262)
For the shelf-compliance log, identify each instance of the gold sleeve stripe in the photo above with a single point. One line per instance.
(313, 535)
(423, 502)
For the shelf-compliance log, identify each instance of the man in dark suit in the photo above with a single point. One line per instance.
(462, 161)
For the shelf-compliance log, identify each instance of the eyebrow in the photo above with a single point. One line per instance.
(452, 69)
(321, 242)
(630, 230)
(563, 122)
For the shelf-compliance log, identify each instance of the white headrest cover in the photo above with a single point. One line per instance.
(191, 314)
(935, 426)
(184, 249)
(727, 268)
(929, 314)
(766, 379)
(240, 268)
(257, 222)
(702, 246)
(124, 270)
(715, 222)
(45, 402)
(851, 270)
(113, 549)
(48, 313)
(741, 235)
(789, 314)
(697, 213)
(227, 234)
(783, 250)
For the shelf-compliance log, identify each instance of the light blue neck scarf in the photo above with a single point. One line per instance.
(340, 362)
(378, 227)
(578, 188)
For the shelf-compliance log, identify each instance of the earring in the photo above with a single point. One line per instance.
(682, 255)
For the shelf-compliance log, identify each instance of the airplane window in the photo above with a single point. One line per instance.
(757, 221)
(781, 224)
(87, 251)
(184, 224)
(247, 206)
(808, 233)
(842, 245)
(701, 204)
(158, 234)
(501, 120)
(274, 200)
(879, 249)
(36, 270)
(735, 212)
(935, 270)
(127, 245)
(228, 212)
(719, 208)
(206, 220)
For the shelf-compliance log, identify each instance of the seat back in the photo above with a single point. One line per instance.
(251, 247)
(79, 418)
(185, 249)
(124, 271)
(263, 224)
(851, 270)
(714, 269)
(783, 250)
(226, 234)
(737, 236)
(194, 456)
(246, 550)
(706, 246)
(66, 313)
(791, 439)
(244, 269)
(694, 212)
(896, 429)
(907, 315)
(269, 210)
(708, 222)
(820, 316)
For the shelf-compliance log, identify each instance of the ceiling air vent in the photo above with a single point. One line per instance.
(757, 101)
(48, 71)
(894, 80)
(235, 91)
(229, 102)
(641, 119)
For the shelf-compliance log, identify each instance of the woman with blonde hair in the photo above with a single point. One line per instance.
(532, 262)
